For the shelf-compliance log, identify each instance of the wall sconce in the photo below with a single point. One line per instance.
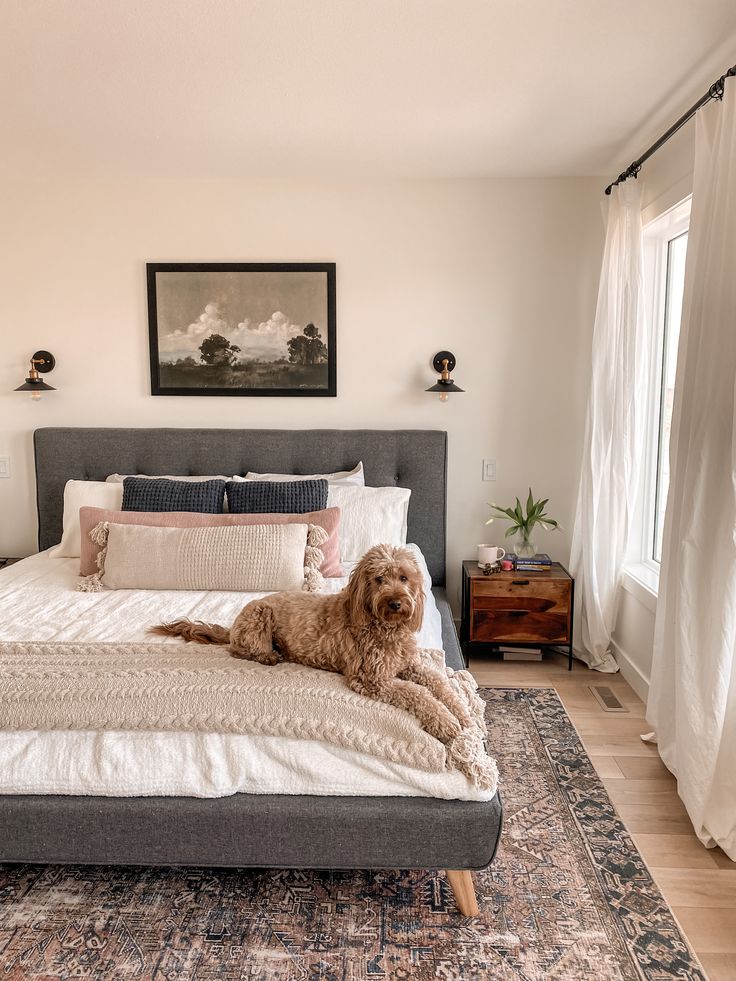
(443, 363)
(42, 361)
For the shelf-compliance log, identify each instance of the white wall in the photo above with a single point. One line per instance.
(633, 638)
(502, 272)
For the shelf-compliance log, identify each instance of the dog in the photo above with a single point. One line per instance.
(367, 633)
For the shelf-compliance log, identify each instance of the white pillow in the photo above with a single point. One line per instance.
(81, 494)
(352, 478)
(118, 478)
(369, 516)
(422, 563)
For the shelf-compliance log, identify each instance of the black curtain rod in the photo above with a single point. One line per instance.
(714, 92)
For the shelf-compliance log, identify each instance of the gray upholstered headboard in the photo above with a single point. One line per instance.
(405, 458)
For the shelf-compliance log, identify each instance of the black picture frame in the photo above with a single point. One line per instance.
(170, 299)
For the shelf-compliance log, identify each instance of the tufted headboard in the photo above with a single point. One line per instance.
(405, 458)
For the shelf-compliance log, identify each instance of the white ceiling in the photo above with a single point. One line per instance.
(340, 88)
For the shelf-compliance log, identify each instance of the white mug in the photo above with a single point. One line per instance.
(489, 554)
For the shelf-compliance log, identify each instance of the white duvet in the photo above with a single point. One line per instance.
(38, 602)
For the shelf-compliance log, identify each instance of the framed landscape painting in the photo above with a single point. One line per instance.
(242, 328)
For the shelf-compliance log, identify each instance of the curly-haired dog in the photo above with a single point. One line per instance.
(366, 632)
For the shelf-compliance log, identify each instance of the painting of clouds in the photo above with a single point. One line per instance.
(242, 329)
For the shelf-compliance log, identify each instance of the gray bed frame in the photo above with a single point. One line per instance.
(257, 830)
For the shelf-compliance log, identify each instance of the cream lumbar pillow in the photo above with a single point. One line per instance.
(369, 516)
(80, 494)
(240, 558)
(353, 478)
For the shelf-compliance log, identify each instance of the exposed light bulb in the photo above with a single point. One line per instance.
(444, 396)
(36, 396)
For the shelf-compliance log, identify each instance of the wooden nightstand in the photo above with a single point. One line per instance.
(513, 608)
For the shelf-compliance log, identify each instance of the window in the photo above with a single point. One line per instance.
(665, 247)
(675, 282)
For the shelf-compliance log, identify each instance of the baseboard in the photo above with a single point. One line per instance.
(631, 672)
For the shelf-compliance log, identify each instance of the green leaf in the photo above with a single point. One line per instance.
(512, 530)
(529, 503)
(506, 512)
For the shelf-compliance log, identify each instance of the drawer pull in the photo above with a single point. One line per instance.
(519, 582)
(517, 613)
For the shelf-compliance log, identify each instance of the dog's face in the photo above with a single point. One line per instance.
(386, 586)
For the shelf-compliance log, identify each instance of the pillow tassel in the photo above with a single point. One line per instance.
(99, 534)
(90, 584)
(316, 535)
(93, 584)
(313, 558)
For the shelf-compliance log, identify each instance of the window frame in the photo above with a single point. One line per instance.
(665, 341)
(657, 234)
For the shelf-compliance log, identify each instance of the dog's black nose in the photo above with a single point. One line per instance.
(395, 604)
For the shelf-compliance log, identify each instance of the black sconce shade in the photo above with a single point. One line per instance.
(29, 385)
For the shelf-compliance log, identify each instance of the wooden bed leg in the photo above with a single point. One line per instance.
(461, 883)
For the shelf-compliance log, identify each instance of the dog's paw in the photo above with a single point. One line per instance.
(239, 652)
(259, 656)
(445, 727)
(463, 717)
(268, 658)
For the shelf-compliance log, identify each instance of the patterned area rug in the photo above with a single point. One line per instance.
(568, 897)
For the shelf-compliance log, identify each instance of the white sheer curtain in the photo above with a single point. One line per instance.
(692, 699)
(613, 431)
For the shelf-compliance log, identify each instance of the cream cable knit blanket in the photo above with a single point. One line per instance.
(184, 687)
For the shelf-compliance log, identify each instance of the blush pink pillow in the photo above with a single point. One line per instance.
(329, 519)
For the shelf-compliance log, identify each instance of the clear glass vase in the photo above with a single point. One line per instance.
(524, 546)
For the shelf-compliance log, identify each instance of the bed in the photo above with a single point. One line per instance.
(257, 829)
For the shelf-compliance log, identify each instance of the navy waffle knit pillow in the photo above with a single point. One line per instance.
(276, 497)
(205, 496)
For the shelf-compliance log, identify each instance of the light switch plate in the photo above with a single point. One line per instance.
(4, 467)
(489, 470)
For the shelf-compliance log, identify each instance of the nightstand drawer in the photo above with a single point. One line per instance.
(520, 592)
(518, 625)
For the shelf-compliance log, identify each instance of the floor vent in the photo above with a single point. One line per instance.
(607, 699)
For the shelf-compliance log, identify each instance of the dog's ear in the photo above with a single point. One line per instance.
(416, 586)
(417, 590)
(357, 595)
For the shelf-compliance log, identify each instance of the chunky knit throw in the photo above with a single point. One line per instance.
(185, 687)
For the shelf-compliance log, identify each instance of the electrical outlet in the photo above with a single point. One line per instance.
(489, 470)
(4, 466)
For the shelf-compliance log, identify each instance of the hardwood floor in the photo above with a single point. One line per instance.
(698, 883)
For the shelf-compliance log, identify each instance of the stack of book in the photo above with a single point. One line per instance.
(521, 653)
(541, 562)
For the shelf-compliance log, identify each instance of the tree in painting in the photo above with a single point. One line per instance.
(307, 347)
(217, 350)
